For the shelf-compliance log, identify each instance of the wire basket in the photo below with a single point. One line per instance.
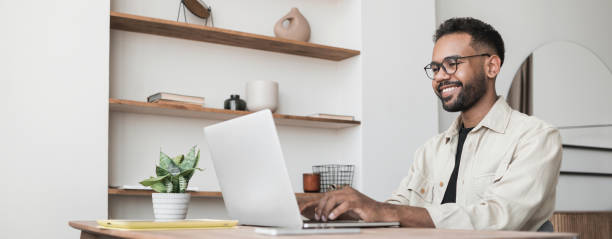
(334, 176)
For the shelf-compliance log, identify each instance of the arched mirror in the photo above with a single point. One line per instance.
(568, 86)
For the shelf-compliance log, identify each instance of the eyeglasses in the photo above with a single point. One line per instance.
(449, 65)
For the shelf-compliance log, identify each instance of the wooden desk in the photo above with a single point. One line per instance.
(89, 230)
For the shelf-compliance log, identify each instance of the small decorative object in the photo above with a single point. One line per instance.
(334, 176)
(293, 26)
(311, 182)
(234, 103)
(262, 94)
(173, 175)
(198, 8)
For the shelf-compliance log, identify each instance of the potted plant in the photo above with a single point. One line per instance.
(173, 175)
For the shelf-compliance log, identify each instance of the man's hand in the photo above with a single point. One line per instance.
(346, 203)
(308, 204)
(349, 204)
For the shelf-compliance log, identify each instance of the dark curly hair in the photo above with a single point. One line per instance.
(482, 33)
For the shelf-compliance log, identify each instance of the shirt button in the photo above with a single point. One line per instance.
(422, 190)
(441, 184)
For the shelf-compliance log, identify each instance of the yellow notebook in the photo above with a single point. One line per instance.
(165, 225)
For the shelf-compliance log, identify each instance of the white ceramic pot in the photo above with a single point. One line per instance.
(262, 94)
(170, 206)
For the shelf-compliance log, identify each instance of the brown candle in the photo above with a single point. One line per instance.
(311, 182)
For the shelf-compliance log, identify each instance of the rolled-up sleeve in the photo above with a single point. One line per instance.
(399, 196)
(522, 194)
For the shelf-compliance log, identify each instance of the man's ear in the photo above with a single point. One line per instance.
(492, 66)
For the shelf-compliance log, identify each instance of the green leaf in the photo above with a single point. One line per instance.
(178, 170)
(159, 187)
(169, 186)
(159, 171)
(187, 174)
(182, 184)
(191, 153)
(169, 165)
(197, 159)
(178, 159)
(164, 161)
(175, 184)
(152, 180)
(190, 160)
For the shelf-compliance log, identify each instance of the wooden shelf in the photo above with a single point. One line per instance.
(134, 23)
(199, 194)
(195, 111)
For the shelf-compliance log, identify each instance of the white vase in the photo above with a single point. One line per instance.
(262, 94)
(170, 206)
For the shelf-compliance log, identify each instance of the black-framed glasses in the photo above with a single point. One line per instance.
(449, 65)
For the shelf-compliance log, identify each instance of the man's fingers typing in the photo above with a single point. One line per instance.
(321, 206)
(339, 210)
(306, 205)
(330, 204)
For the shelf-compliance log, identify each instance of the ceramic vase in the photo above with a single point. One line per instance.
(262, 94)
(298, 28)
(234, 103)
(170, 206)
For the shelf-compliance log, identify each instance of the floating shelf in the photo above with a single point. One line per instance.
(199, 194)
(137, 192)
(195, 111)
(134, 23)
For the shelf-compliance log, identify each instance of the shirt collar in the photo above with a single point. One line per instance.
(496, 119)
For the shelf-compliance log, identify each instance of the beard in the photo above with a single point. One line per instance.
(468, 96)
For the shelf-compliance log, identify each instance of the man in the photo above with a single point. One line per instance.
(494, 168)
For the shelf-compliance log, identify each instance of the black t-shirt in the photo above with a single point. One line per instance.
(451, 188)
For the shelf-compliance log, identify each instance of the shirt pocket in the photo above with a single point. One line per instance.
(492, 166)
(481, 184)
(501, 169)
(484, 181)
(420, 189)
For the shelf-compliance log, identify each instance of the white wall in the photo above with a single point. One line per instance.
(141, 208)
(599, 160)
(583, 193)
(395, 122)
(143, 64)
(399, 107)
(525, 25)
(54, 81)
(598, 137)
(571, 86)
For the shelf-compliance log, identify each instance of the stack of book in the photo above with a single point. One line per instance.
(170, 98)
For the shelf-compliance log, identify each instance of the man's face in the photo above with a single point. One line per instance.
(461, 90)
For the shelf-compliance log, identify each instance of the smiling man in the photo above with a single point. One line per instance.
(493, 169)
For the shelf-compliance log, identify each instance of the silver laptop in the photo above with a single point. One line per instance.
(249, 164)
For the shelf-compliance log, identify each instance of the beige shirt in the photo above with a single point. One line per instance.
(507, 175)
